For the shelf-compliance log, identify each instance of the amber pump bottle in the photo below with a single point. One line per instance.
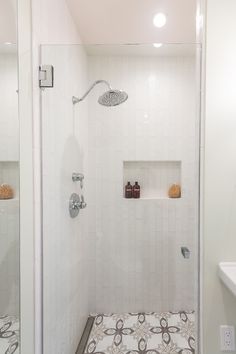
(128, 190)
(136, 190)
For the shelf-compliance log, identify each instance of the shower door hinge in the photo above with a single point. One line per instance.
(46, 76)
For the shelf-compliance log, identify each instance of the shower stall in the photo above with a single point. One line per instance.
(120, 275)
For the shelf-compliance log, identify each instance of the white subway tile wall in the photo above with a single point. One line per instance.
(138, 263)
(67, 249)
(9, 125)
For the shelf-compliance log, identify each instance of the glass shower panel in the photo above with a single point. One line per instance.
(132, 260)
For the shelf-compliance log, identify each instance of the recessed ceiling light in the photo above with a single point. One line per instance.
(159, 20)
(157, 45)
(7, 43)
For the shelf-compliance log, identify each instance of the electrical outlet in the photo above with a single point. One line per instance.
(227, 338)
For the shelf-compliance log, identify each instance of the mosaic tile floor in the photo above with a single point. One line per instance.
(143, 333)
(9, 335)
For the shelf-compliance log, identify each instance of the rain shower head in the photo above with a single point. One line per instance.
(112, 98)
(109, 98)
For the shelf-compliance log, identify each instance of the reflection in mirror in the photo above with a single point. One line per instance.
(9, 180)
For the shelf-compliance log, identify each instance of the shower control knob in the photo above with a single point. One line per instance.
(82, 203)
(78, 177)
(75, 204)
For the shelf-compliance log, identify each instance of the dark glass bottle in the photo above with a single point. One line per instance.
(136, 190)
(128, 190)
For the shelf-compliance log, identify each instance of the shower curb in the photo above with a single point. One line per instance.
(85, 336)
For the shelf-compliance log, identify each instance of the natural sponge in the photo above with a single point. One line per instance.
(175, 191)
(6, 191)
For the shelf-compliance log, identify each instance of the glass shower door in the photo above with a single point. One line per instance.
(127, 259)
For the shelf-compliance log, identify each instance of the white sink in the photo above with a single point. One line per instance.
(227, 273)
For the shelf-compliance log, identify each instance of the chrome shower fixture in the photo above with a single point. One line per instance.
(109, 98)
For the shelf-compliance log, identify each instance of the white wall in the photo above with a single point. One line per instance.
(139, 266)
(66, 246)
(220, 167)
(9, 173)
(9, 121)
(52, 23)
(8, 21)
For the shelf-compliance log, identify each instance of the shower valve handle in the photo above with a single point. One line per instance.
(78, 177)
(76, 203)
(82, 203)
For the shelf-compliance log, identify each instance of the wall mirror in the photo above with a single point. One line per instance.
(9, 179)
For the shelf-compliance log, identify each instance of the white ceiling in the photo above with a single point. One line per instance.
(130, 21)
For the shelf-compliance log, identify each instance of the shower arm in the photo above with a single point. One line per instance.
(77, 100)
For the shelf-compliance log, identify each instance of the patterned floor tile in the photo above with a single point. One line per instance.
(143, 333)
(9, 335)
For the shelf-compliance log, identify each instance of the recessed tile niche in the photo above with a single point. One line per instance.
(9, 173)
(154, 177)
